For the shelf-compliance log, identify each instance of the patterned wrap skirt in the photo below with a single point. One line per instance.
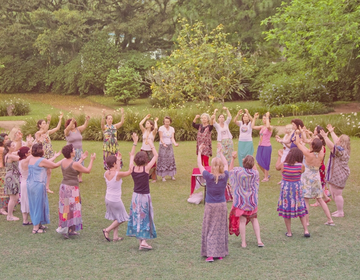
(214, 237)
(4, 198)
(141, 221)
(116, 211)
(234, 219)
(78, 153)
(244, 148)
(227, 149)
(263, 156)
(69, 209)
(291, 203)
(311, 182)
(166, 162)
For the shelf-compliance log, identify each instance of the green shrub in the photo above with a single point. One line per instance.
(20, 107)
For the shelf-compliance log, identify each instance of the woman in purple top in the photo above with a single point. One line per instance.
(214, 228)
(263, 154)
(73, 136)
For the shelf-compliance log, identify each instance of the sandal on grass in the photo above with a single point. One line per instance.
(288, 235)
(74, 233)
(118, 239)
(43, 227)
(27, 224)
(146, 247)
(38, 231)
(106, 237)
(330, 224)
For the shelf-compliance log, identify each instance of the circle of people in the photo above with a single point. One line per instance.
(26, 170)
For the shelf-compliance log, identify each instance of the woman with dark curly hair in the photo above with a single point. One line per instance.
(141, 221)
(70, 219)
(43, 137)
(36, 187)
(73, 136)
(291, 203)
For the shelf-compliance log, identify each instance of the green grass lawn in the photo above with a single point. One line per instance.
(330, 253)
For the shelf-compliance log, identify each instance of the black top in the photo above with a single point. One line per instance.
(141, 181)
(202, 128)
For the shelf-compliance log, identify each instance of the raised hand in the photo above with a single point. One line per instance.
(256, 115)
(240, 112)
(197, 116)
(156, 119)
(93, 156)
(148, 116)
(87, 118)
(122, 110)
(330, 128)
(246, 111)
(57, 154)
(84, 155)
(48, 118)
(135, 137)
(224, 108)
(61, 115)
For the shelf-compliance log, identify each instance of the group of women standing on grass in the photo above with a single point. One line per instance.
(27, 166)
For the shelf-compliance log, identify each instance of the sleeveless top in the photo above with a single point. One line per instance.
(141, 181)
(292, 173)
(113, 189)
(75, 138)
(265, 135)
(70, 175)
(36, 173)
(145, 146)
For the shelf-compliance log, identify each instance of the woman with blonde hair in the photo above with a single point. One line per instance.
(338, 166)
(149, 133)
(214, 228)
(204, 137)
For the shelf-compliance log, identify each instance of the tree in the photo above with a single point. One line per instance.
(324, 35)
(202, 67)
(124, 84)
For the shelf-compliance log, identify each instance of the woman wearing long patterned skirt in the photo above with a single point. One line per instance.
(291, 203)
(110, 144)
(204, 137)
(166, 162)
(141, 221)
(70, 219)
(214, 235)
(223, 134)
(4, 198)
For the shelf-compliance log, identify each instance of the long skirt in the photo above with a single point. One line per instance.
(141, 221)
(116, 211)
(227, 149)
(38, 202)
(166, 162)
(244, 148)
(69, 209)
(24, 199)
(291, 203)
(263, 156)
(214, 237)
(4, 198)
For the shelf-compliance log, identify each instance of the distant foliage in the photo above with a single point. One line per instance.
(123, 84)
(18, 106)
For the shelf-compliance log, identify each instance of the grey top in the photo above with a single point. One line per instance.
(75, 138)
(70, 175)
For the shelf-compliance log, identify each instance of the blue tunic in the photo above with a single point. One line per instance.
(38, 200)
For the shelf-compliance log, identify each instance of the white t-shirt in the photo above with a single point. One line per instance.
(245, 131)
(223, 132)
(166, 134)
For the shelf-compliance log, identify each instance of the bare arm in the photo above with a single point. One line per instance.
(227, 112)
(67, 129)
(305, 150)
(78, 167)
(155, 127)
(55, 156)
(279, 165)
(135, 138)
(233, 157)
(119, 124)
(199, 163)
(49, 164)
(141, 124)
(332, 133)
(51, 131)
(328, 142)
(173, 140)
(268, 126)
(84, 126)
(196, 117)
(253, 126)
(102, 120)
(237, 115)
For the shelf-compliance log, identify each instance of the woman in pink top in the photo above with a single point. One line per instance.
(263, 154)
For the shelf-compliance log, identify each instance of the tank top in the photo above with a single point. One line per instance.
(113, 189)
(70, 175)
(75, 138)
(141, 181)
(292, 173)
